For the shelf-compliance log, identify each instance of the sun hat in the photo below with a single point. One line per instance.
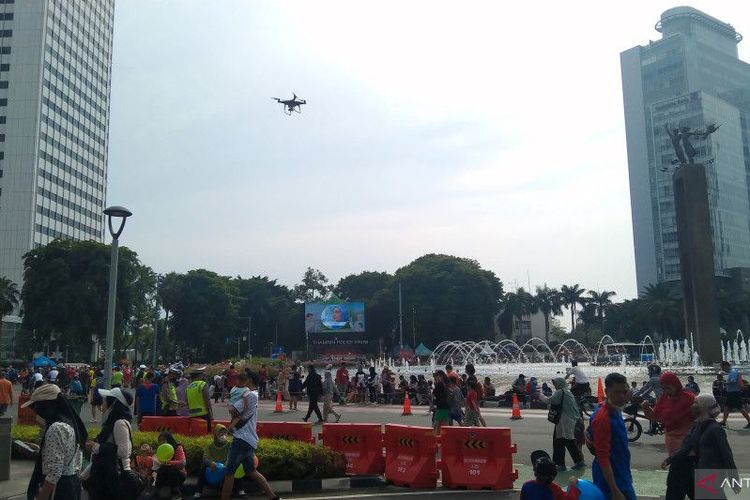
(115, 393)
(45, 392)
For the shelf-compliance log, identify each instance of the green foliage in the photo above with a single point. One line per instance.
(279, 459)
(64, 294)
(515, 305)
(313, 288)
(9, 296)
(548, 302)
(572, 296)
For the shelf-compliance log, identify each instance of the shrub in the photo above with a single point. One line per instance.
(279, 459)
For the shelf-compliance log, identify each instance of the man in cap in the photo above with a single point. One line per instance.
(168, 395)
(199, 398)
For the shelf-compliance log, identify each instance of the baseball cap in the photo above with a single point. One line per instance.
(142, 367)
(46, 392)
(115, 393)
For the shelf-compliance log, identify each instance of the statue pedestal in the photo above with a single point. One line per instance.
(697, 260)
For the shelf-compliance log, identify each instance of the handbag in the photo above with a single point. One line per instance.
(555, 411)
(130, 483)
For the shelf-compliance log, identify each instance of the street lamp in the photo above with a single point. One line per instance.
(122, 213)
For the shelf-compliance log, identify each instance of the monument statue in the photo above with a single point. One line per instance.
(680, 138)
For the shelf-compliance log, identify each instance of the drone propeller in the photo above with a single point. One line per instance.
(276, 99)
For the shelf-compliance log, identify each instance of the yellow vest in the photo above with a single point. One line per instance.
(169, 405)
(195, 401)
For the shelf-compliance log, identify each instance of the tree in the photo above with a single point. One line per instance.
(601, 302)
(276, 318)
(548, 302)
(515, 305)
(572, 296)
(663, 309)
(379, 292)
(64, 296)
(313, 288)
(10, 297)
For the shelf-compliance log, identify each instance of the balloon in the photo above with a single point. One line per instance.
(164, 452)
(589, 491)
(240, 472)
(216, 475)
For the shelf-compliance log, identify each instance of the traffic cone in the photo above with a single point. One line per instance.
(600, 391)
(516, 415)
(278, 408)
(407, 406)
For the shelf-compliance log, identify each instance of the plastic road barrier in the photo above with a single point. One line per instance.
(362, 444)
(175, 425)
(294, 431)
(477, 457)
(410, 456)
(26, 416)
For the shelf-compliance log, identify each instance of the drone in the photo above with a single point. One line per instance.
(291, 105)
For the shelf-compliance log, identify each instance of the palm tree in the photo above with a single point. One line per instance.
(548, 302)
(601, 302)
(663, 309)
(10, 297)
(515, 306)
(572, 296)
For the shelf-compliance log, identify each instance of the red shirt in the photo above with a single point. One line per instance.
(342, 376)
(263, 375)
(472, 399)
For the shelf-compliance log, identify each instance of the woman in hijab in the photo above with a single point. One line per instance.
(673, 411)
(64, 435)
(329, 392)
(707, 440)
(564, 434)
(110, 453)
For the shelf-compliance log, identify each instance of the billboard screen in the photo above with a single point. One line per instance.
(345, 317)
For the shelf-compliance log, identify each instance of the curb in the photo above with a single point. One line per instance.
(309, 485)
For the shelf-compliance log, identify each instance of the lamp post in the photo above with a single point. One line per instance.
(122, 213)
(249, 340)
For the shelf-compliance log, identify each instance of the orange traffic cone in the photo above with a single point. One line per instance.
(407, 406)
(516, 415)
(278, 408)
(600, 391)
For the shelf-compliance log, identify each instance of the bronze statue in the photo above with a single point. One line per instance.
(680, 138)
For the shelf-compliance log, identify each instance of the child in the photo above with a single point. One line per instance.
(544, 487)
(239, 396)
(172, 474)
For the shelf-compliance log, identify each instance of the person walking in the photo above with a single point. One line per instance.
(330, 391)
(6, 393)
(342, 382)
(566, 415)
(674, 411)
(58, 465)
(733, 393)
(473, 417)
(442, 407)
(314, 387)
(608, 440)
(245, 441)
(199, 399)
(295, 389)
(692, 385)
(707, 441)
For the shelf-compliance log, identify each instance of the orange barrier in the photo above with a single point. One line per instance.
(294, 431)
(410, 456)
(175, 425)
(362, 444)
(477, 457)
(198, 427)
(26, 416)
(278, 408)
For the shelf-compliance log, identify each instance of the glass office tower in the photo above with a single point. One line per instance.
(691, 77)
(55, 74)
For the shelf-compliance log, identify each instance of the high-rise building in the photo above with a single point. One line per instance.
(691, 77)
(55, 74)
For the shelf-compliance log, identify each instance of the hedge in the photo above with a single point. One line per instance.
(279, 459)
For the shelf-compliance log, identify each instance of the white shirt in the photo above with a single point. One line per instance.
(38, 377)
(580, 377)
(52, 375)
(61, 455)
(248, 432)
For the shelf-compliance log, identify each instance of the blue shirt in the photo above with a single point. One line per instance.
(733, 380)
(611, 442)
(147, 398)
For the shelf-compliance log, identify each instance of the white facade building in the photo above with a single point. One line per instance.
(55, 75)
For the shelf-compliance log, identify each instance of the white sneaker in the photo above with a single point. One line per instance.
(197, 495)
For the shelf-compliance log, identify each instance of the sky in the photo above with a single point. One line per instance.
(487, 130)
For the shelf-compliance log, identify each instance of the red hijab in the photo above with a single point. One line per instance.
(674, 411)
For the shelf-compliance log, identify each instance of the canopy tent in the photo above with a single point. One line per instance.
(422, 350)
(43, 361)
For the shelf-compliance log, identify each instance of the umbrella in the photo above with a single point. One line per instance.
(43, 361)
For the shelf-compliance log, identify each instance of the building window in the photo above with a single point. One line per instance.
(1, 173)
(3, 84)
(6, 33)
(2, 137)
(7, 1)
(3, 119)
(8, 16)
(5, 50)
(3, 102)
(4, 67)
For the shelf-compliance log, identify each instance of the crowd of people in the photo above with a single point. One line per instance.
(693, 437)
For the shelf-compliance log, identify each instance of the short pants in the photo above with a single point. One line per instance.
(734, 400)
(240, 452)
